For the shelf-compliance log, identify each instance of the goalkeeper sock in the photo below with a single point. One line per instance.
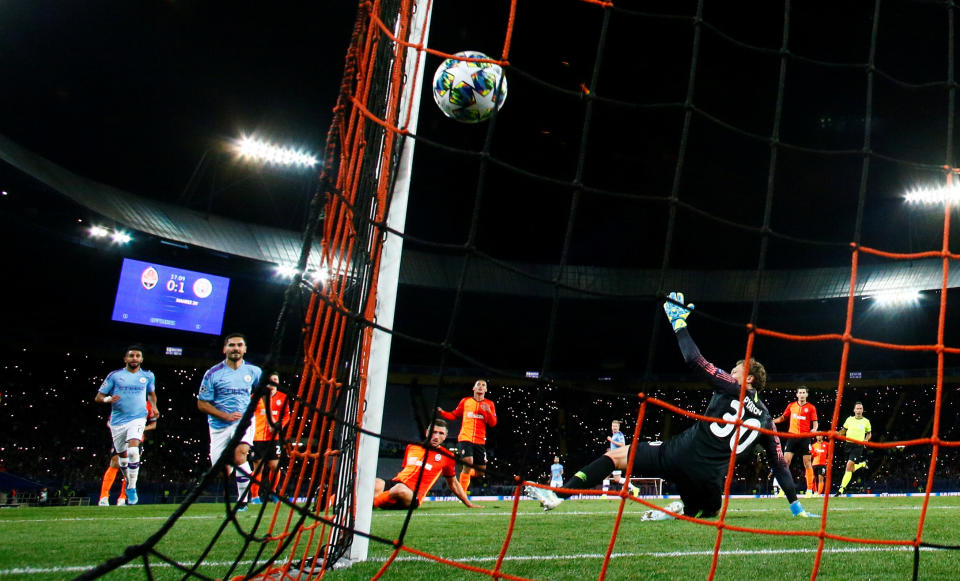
(847, 476)
(591, 475)
(108, 477)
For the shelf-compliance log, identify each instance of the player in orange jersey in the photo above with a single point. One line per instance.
(803, 418)
(266, 442)
(819, 452)
(476, 414)
(422, 466)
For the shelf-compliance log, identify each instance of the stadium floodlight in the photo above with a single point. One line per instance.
(258, 150)
(120, 237)
(931, 196)
(286, 270)
(896, 298)
(98, 232)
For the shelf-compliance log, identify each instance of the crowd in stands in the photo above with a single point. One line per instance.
(56, 436)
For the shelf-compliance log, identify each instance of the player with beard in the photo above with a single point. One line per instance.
(476, 413)
(422, 466)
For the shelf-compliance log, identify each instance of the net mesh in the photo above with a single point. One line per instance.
(668, 142)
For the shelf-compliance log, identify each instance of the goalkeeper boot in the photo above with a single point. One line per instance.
(548, 498)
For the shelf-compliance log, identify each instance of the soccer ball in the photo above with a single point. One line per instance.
(468, 91)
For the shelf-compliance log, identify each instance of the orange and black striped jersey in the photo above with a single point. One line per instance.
(433, 462)
(801, 417)
(475, 416)
(278, 413)
(819, 453)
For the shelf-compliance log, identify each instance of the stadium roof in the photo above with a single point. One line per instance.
(442, 271)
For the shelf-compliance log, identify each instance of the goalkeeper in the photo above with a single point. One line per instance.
(696, 460)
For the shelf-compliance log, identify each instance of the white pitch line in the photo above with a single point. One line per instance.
(97, 518)
(672, 554)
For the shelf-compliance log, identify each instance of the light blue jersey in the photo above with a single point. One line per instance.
(617, 439)
(556, 472)
(132, 389)
(228, 389)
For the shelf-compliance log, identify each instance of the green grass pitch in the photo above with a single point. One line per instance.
(43, 544)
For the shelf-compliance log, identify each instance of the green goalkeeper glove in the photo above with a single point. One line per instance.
(676, 313)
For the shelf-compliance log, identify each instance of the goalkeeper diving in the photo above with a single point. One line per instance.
(696, 460)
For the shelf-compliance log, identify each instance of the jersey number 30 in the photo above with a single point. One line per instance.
(746, 436)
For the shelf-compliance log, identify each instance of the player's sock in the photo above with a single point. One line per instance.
(820, 487)
(123, 490)
(133, 466)
(809, 476)
(590, 475)
(847, 476)
(241, 474)
(123, 466)
(108, 477)
(384, 500)
(465, 479)
(606, 484)
(254, 489)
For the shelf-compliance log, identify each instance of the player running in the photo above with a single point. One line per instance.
(127, 391)
(422, 466)
(556, 473)
(266, 441)
(697, 459)
(476, 413)
(111, 474)
(803, 419)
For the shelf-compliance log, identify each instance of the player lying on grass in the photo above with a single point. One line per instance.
(421, 469)
(696, 460)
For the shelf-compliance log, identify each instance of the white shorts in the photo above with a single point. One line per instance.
(556, 483)
(123, 433)
(220, 437)
(617, 473)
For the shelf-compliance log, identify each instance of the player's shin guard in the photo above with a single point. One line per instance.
(108, 477)
(590, 475)
(242, 475)
(133, 466)
(123, 461)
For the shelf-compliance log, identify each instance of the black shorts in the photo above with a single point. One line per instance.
(477, 451)
(266, 450)
(856, 452)
(415, 502)
(819, 469)
(797, 446)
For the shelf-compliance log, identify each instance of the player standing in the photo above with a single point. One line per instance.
(803, 418)
(127, 391)
(556, 473)
(697, 459)
(819, 452)
(476, 413)
(856, 427)
(224, 396)
(422, 466)
(266, 442)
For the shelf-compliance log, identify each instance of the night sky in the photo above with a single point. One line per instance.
(142, 96)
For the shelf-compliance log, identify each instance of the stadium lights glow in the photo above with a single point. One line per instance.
(119, 237)
(896, 298)
(931, 196)
(98, 232)
(286, 270)
(265, 152)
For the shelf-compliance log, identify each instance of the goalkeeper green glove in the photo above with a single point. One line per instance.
(676, 313)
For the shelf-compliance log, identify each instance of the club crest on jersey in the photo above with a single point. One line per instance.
(436, 457)
(248, 378)
(143, 380)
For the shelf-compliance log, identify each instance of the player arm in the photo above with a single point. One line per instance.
(209, 409)
(489, 412)
(814, 425)
(719, 379)
(454, 415)
(866, 437)
(104, 398)
(454, 485)
(154, 410)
